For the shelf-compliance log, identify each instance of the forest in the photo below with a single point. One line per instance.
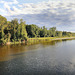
(18, 31)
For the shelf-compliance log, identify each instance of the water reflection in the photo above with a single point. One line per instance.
(48, 58)
(10, 51)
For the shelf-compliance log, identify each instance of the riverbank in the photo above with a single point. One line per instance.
(45, 39)
(39, 40)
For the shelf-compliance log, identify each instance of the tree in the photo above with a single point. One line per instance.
(23, 32)
(43, 32)
(52, 31)
(3, 22)
(33, 30)
(59, 33)
(14, 26)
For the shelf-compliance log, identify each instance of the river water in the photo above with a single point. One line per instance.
(48, 58)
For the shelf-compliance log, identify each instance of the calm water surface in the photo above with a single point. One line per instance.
(50, 58)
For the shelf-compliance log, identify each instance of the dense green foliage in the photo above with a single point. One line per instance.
(35, 31)
(11, 31)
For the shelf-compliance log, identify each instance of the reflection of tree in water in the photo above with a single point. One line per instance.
(67, 39)
(51, 42)
(11, 51)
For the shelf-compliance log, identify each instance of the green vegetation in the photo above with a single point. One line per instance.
(18, 32)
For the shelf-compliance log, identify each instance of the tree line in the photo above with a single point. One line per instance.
(35, 31)
(14, 30)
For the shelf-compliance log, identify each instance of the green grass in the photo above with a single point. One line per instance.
(42, 39)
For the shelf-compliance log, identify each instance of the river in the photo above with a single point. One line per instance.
(48, 58)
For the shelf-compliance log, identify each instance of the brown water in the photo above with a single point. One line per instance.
(49, 58)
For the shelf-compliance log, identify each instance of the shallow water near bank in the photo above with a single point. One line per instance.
(47, 58)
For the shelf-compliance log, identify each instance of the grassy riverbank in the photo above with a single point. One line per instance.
(40, 39)
(45, 39)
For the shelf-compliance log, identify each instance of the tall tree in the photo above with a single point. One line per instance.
(3, 22)
(23, 32)
(33, 30)
(59, 33)
(52, 31)
(15, 26)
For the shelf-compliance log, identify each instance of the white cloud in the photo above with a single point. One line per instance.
(7, 7)
(2, 11)
(53, 7)
(13, 2)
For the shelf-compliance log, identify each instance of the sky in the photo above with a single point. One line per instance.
(48, 13)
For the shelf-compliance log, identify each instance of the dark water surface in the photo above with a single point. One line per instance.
(50, 58)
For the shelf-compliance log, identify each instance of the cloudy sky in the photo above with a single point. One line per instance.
(49, 13)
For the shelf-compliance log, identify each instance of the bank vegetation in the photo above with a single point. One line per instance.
(14, 31)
